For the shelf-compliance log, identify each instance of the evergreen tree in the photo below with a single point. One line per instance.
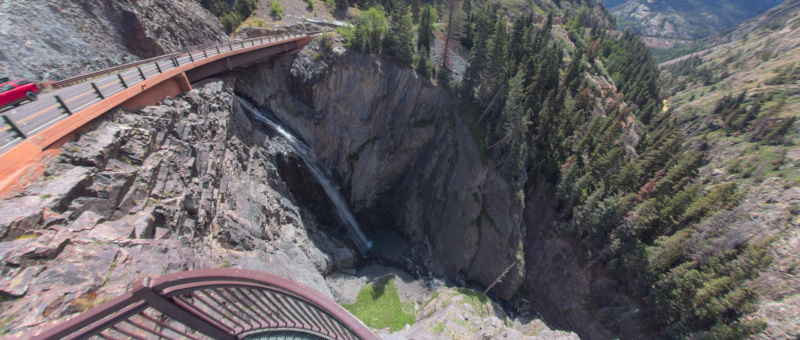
(425, 30)
(498, 59)
(415, 10)
(477, 56)
(573, 77)
(244, 8)
(510, 133)
(424, 63)
(469, 27)
(517, 38)
(399, 42)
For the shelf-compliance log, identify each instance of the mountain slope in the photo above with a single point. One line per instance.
(685, 19)
(58, 39)
(739, 101)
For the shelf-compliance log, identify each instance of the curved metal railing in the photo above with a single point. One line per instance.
(214, 304)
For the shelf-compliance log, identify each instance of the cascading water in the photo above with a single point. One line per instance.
(329, 186)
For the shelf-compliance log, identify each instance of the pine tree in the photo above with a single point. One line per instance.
(510, 134)
(477, 56)
(573, 77)
(469, 28)
(425, 30)
(517, 36)
(415, 10)
(399, 43)
(424, 63)
(498, 59)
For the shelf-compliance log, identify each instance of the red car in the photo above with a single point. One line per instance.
(13, 92)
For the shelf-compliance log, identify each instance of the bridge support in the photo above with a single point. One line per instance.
(152, 94)
(25, 163)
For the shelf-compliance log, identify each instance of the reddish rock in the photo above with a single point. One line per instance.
(18, 285)
(19, 215)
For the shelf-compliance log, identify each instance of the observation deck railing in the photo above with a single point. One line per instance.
(214, 304)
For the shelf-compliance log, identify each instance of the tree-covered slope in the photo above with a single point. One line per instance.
(573, 116)
(739, 102)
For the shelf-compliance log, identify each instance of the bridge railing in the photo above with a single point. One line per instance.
(19, 123)
(206, 46)
(213, 303)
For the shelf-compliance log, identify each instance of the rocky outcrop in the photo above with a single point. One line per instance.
(403, 157)
(190, 183)
(57, 39)
(458, 313)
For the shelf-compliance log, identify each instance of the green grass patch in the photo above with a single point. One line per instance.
(439, 328)
(378, 305)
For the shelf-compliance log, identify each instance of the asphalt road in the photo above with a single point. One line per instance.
(32, 117)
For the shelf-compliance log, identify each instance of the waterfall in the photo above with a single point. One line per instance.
(327, 184)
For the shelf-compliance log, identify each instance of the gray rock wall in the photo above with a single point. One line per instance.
(402, 155)
(189, 183)
(64, 38)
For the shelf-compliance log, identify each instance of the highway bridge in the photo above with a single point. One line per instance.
(221, 303)
(30, 129)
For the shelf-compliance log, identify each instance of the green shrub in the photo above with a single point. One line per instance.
(276, 9)
(230, 21)
(230, 17)
(326, 42)
(310, 4)
(369, 31)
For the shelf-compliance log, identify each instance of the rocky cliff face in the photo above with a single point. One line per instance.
(403, 157)
(57, 39)
(191, 183)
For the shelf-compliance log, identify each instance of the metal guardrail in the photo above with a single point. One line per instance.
(80, 78)
(26, 120)
(220, 303)
(183, 52)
